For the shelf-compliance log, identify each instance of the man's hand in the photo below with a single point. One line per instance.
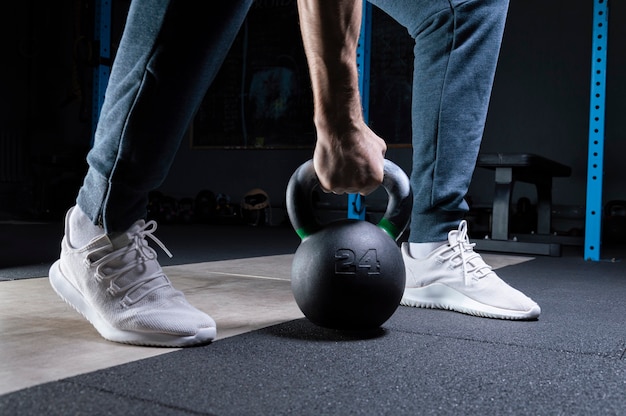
(351, 163)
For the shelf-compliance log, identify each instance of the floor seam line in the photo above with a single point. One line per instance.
(591, 354)
(133, 397)
(252, 276)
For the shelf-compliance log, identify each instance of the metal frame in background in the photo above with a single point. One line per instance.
(102, 38)
(356, 202)
(593, 213)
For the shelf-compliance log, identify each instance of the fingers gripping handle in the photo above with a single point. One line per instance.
(300, 204)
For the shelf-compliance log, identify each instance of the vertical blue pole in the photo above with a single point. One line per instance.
(593, 214)
(356, 203)
(102, 36)
(364, 48)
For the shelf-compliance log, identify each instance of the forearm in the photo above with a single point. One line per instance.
(348, 156)
(330, 33)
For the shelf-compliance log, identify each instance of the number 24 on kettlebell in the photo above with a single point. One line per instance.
(346, 262)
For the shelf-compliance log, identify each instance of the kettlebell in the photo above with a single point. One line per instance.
(348, 274)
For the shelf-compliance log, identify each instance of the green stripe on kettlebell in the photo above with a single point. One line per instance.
(305, 232)
(389, 228)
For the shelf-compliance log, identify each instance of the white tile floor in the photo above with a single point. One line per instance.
(42, 339)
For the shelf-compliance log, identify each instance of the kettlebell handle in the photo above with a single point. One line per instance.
(304, 180)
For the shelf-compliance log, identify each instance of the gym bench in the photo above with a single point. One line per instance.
(529, 168)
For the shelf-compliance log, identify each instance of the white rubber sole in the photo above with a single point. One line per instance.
(438, 296)
(73, 297)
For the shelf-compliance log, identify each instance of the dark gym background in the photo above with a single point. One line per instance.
(570, 361)
(539, 105)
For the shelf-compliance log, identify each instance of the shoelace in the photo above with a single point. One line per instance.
(471, 262)
(145, 253)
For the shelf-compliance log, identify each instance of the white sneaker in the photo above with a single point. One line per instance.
(119, 286)
(456, 278)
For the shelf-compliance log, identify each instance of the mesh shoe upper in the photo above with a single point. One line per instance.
(455, 277)
(120, 287)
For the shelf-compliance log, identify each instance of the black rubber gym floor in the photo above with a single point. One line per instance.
(571, 361)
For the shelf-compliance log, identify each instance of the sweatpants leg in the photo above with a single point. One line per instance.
(457, 44)
(169, 54)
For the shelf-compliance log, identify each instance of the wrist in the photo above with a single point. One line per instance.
(338, 108)
(333, 126)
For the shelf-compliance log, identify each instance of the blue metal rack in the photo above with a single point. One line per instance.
(102, 36)
(363, 58)
(356, 203)
(593, 215)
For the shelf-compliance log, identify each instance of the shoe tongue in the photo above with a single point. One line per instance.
(123, 239)
(453, 237)
(459, 235)
(144, 258)
(99, 247)
(149, 268)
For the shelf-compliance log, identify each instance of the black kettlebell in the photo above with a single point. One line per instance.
(348, 274)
